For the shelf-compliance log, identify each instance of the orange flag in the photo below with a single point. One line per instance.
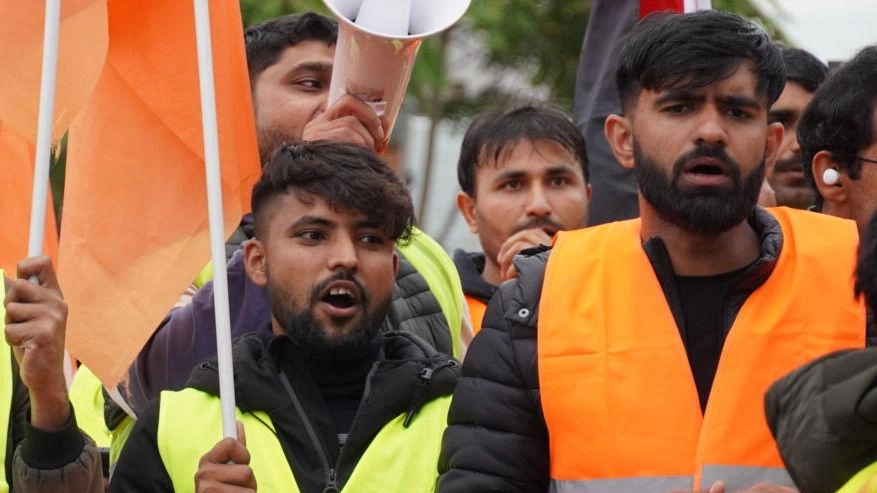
(134, 232)
(16, 185)
(82, 45)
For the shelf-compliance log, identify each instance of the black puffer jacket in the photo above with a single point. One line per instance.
(824, 418)
(497, 440)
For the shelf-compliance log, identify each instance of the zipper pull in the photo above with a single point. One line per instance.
(425, 376)
(331, 483)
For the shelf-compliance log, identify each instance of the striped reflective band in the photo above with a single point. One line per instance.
(627, 485)
(743, 477)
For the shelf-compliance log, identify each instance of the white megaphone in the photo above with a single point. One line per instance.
(376, 47)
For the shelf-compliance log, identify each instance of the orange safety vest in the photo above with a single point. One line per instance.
(476, 312)
(617, 391)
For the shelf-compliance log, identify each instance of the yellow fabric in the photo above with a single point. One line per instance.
(87, 397)
(5, 387)
(119, 436)
(606, 330)
(205, 276)
(434, 264)
(865, 481)
(399, 460)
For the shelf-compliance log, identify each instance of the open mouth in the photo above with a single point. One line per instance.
(711, 167)
(340, 297)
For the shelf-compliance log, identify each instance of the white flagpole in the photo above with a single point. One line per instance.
(44, 129)
(214, 205)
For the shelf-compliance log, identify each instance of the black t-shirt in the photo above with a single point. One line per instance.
(703, 333)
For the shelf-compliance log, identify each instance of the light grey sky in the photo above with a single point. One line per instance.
(830, 29)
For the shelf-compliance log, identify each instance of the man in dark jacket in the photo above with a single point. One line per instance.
(42, 449)
(523, 176)
(655, 338)
(326, 398)
(824, 414)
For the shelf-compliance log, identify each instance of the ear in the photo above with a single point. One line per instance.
(395, 263)
(254, 261)
(589, 191)
(772, 142)
(619, 134)
(835, 195)
(466, 206)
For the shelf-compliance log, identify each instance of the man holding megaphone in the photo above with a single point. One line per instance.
(290, 62)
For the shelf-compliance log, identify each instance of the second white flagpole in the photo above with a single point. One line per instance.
(39, 197)
(214, 205)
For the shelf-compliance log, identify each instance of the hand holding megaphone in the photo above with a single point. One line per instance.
(377, 44)
(349, 120)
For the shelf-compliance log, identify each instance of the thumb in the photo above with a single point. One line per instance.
(242, 436)
(717, 487)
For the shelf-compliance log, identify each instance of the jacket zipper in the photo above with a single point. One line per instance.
(331, 479)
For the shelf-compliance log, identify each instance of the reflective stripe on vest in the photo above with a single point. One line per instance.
(477, 308)
(399, 459)
(437, 268)
(616, 387)
(5, 388)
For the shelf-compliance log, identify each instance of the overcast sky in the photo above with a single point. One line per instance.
(830, 29)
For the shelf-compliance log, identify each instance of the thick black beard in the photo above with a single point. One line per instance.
(308, 333)
(700, 210)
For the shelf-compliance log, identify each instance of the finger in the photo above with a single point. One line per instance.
(39, 267)
(227, 450)
(717, 487)
(522, 240)
(353, 106)
(225, 477)
(345, 129)
(242, 435)
(24, 291)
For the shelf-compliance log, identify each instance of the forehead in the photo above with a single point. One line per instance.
(526, 155)
(794, 96)
(288, 208)
(742, 82)
(301, 54)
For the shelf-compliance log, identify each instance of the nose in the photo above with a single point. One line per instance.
(343, 254)
(538, 205)
(711, 129)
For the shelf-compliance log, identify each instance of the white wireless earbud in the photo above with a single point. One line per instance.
(830, 176)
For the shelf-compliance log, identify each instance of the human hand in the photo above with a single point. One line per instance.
(767, 488)
(224, 468)
(36, 318)
(351, 121)
(527, 238)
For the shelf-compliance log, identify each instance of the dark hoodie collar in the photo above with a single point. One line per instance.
(470, 265)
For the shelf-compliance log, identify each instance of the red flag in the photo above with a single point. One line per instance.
(16, 185)
(134, 232)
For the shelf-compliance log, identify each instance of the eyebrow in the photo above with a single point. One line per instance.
(687, 95)
(318, 67)
(312, 221)
(782, 114)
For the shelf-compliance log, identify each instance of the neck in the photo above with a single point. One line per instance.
(693, 254)
(491, 272)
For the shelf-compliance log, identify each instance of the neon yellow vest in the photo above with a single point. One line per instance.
(399, 459)
(5, 388)
(437, 268)
(865, 481)
(87, 397)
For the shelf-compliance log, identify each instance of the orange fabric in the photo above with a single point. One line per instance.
(616, 386)
(476, 312)
(82, 45)
(16, 187)
(135, 212)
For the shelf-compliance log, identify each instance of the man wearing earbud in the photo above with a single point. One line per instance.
(633, 356)
(838, 138)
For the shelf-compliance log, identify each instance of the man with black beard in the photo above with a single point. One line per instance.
(326, 399)
(655, 338)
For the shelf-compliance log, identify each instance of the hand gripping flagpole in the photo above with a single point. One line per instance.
(37, 231)
(214, 205)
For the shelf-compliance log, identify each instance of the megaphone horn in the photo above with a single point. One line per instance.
(377, 45)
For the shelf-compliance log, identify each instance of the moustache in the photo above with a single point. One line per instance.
(342, 275)
(542, 223)
(795, 163)
(704, 151)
